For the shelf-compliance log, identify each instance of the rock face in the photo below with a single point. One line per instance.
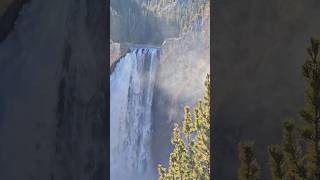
(130, 22)
(115, 52)
(184, 63)
(9, 11)
(152, 21)
(53, 113)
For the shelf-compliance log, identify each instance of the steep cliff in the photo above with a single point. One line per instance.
(53, 69)
(115, 52)
(184, 63)
(130, 22)
(9, 11)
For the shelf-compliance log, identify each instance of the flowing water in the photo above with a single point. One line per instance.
(131, 93)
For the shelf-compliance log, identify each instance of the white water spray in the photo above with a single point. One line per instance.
(131, 91)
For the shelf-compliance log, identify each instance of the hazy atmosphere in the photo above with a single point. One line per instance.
(159, 61)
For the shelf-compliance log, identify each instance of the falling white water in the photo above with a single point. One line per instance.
(131, 91)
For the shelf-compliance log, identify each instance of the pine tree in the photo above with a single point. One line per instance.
(292, 151)
(299, 155)
(286, 160)
(276, 162)
(201, 144)
(311, 113)
(249, 168)
(190, 158)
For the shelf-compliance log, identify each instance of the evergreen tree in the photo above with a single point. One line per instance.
(249, 168)
(276, 162)
(311, 113)
(299, 155)
(292, 151)
(190, 158)
(286, 160)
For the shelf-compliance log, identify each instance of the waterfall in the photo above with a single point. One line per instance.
(131, 92)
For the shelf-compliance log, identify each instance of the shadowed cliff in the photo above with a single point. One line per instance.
(53, 70)
(259, 47)
(9, 11)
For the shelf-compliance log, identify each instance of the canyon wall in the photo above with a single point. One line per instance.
(53, 113)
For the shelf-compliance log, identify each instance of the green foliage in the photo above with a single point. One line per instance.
(181, 13)
(286, 160)
(190, 158)
(249, 168)
(298, 156)
(276, 162)
(310, 131)
(294, 168)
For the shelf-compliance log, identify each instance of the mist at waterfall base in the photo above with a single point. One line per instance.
(131, 93)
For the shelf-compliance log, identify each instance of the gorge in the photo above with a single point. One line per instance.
(140, 130)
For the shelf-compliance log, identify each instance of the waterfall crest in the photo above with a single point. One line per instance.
(131, 93)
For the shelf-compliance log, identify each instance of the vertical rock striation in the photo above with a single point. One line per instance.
(53, 114)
